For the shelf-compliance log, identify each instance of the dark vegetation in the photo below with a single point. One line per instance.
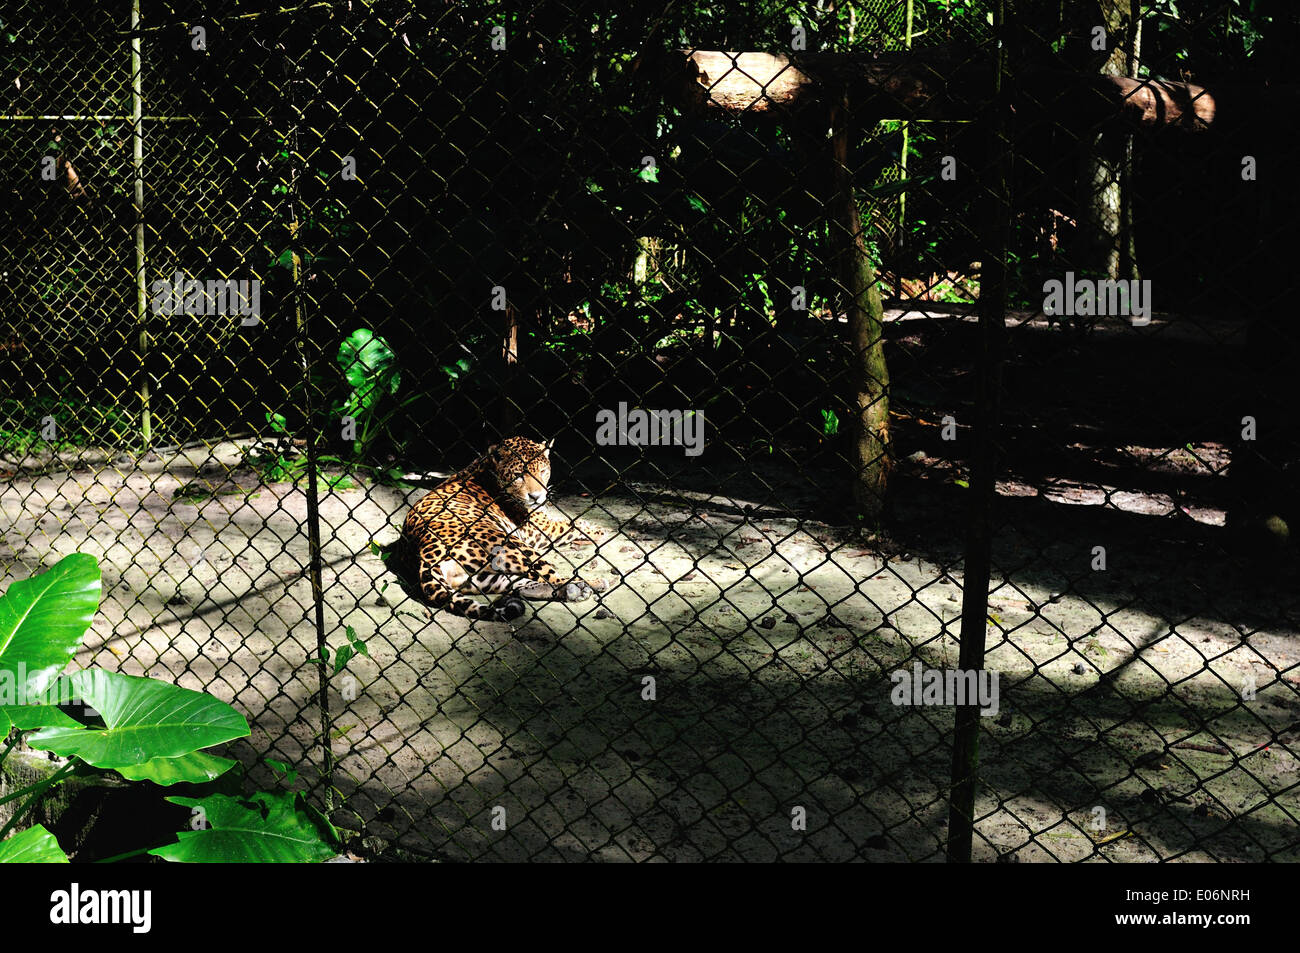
(524, 169)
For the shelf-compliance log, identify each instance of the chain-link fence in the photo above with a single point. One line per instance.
(962, 531)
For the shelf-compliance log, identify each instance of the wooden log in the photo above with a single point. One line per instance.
(1080, 100)
(941, 86)
(1152, 103)
(891, 85)
(741, 82)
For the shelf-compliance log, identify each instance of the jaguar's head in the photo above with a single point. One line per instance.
(522, 469)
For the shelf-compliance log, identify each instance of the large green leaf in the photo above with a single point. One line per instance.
(365, 356)
(371, 368)
(27, 717)
(145, 719)
(42, 621)
(196, 768)
(35, 845)
(266, 828)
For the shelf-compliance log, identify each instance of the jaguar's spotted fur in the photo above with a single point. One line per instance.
(484, 529)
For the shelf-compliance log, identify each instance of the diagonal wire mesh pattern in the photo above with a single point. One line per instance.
(919, 291)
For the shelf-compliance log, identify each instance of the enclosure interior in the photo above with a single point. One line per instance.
(474, 220)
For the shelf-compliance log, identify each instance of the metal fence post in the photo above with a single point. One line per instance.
(978, 557)
(307, 356)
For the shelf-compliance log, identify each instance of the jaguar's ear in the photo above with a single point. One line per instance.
(550, 445)
(494, 452)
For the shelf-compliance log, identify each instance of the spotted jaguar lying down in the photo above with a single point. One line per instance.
(484, 529)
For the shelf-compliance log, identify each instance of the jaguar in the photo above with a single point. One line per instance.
(485, 529)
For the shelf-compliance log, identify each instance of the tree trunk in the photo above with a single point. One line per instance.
(1128, 266)
(1100, 206)
(646, 264)
(869, 376)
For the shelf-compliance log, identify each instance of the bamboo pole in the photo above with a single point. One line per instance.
(137, 165)
(900, 233)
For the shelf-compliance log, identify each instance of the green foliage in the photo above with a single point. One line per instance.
(569, 340)
(275, 828)
(276, 467)
(756, 285)
(371, 370)
(151, 730)
(77, 422)
(279, 461)
(1222, 42)
(345, 653)
(455, 372)
(35, 845)
(196, 767)
(830, 423)
(146, 722)
(42, 621)
(889, 190)
(282, 771)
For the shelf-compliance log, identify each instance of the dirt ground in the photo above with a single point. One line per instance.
(769, 639)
